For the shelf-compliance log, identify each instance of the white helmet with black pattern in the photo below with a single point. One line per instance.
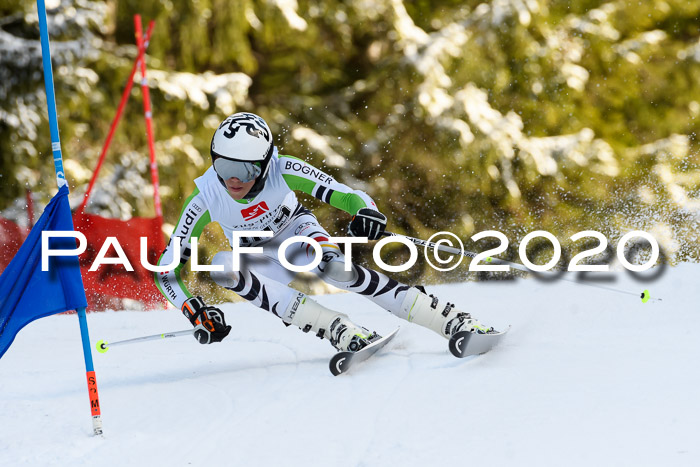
(242, 147)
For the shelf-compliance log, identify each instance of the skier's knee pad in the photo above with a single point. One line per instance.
(227, 277)
(335, 270)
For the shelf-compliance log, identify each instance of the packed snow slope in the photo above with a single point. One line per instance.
(585, 377)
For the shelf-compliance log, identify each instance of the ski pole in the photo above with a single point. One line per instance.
(456, 251)
(103, 346)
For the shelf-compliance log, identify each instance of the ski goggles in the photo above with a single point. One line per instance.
(243, 171)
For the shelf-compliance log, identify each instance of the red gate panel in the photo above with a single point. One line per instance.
(11, 238)
(114, 280)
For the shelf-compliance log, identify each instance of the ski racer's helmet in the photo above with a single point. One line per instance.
(242, 147)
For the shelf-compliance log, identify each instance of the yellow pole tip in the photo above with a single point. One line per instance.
(645, 296)
(102, 346)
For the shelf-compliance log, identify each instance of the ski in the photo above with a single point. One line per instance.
(465, 343)
(343, 361)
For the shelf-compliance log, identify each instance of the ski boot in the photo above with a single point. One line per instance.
(344, 335)
(426, 310)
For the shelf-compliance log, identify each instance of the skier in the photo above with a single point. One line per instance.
(250, 187)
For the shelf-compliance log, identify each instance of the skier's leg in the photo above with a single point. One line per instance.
(255, 287)
(384, 291)
(406, 302)
(409, 303)
(292, 306)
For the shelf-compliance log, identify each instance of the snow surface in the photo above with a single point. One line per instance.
(585, 377)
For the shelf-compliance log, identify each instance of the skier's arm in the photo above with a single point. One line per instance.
(193, 218)
(304, 177)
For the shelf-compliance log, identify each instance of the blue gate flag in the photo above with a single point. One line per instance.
(28, 293)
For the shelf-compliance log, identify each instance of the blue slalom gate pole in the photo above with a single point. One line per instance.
(61, 180)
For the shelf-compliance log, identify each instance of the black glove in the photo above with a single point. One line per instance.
(367, 223)
(208, 321)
